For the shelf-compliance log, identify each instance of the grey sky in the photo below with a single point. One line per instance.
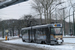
(18, 10)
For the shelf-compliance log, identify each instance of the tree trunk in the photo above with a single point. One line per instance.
(13, 31)
(50, 18)
(18, 31)
(41, 17)
(45, 16)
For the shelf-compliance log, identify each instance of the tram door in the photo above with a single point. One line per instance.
(31, 35)
(47, 31)
(34, 35)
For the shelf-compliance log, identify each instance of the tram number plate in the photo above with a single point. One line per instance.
(59, 40)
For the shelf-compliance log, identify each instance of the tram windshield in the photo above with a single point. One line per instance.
(56, 30)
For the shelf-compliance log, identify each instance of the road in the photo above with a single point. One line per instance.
(6, 46)
(17, 44)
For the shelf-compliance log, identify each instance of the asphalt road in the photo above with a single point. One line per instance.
(7, 46)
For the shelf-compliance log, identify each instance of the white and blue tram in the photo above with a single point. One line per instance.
(49, 34)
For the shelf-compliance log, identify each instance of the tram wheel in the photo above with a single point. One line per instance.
(32, 41)
(58, 43)
(23, 40)
(43, 42)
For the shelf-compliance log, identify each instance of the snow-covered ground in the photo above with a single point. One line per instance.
(68, 44)
(2, 38)
(68, 36)
(10, 37)
(69, 40)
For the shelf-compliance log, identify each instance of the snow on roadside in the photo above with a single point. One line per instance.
(10, 37)
(2, 38)
(48, 47)
(69, 40)
(68, 36)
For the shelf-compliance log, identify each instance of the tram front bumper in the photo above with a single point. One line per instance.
(59, 41)
(56, 41)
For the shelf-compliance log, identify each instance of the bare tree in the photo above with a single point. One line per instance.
(27, 19)
(38, 7)
(45, 8)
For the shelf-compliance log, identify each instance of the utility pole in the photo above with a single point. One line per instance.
(73, 24)
(31, 30)
(73, 19)
(63, 18)
(56, 15)
(55, 9)
(72, 6)
(13, 28)
(7, 3)
(3, 29)
(69, 21)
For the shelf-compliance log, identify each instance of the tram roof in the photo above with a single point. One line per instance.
(39, 26)
(26, 28)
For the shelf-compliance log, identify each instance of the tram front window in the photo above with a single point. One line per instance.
(58, 30)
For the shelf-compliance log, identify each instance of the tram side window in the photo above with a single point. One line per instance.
(24, 32)
(40, 31)
(43, 31)
(33, 31)
(52, 31)
(47, 31)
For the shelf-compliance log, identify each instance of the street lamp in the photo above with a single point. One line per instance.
(31, 28)
(13, 28)
(6, 3)
(73, 19)
(60, 3)
(63, 17)
(73, 24)
(2, 29)
(72, 6)
(69, 20)
(55, 9)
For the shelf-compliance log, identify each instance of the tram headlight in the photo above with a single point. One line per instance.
(57, 25)
(61, 38)
(56, 38)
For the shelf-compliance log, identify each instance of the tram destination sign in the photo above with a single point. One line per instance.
(5, 3)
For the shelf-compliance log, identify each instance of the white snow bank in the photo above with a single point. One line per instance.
(68, 36)
(10, 37)
(48, 47)
(69, 40)
(2, 38)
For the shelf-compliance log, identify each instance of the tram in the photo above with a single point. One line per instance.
(47, 34)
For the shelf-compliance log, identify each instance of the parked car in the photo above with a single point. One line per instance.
(20, 36)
